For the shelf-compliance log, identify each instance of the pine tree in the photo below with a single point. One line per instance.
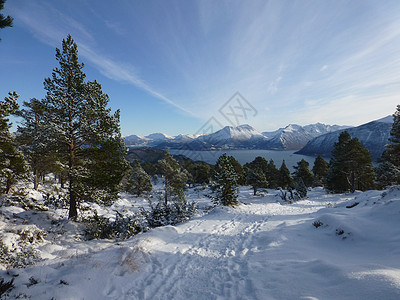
(4, 21)
(303, 172)
(272, 175)
(241, 176)
(225, 181)
(201, 173)
(82, 131)
(258, 163)
(284, 179)
(140, 180)
(388, 172)
(32, 140)
(350, 167)
(393, 149)
(175, 178)
(301, 188)
(256, 178)
(12, 163)
(320, 170)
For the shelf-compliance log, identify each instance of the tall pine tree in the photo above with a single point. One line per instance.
(320, 170)
(284, 179)
(303, 172)
(175, 178)
(12, 163)
(140, 180)
(272, 175)
(388, 172)
(82, 131)
(350, 167)
(225, 181)
(256, 178)
(31, 137)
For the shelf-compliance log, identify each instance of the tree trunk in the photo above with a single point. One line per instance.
(35, 179)
(73, 213)
(8, 185)
(352, 183)
(166, 192)
(61, 178)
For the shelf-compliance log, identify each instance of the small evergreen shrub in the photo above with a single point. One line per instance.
(317, 223)
(98, 227)
(170, 214)
(124, 227)
(6, 286)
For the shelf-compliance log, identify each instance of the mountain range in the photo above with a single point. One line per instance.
(312, 140)
(291, 137)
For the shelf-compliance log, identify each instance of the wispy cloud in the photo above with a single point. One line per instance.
(323, 68)
(273, 86)
(50, 26)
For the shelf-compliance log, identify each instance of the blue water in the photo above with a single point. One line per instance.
(244, 156)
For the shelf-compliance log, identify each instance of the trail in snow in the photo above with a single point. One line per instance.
(259, 250)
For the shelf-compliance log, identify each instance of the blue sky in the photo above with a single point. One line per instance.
(169, 66)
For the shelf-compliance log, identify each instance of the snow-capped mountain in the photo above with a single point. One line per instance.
(229, 134)
(294, 137)
(318, 129)
(291, 137)
(158, 137)
(374, 136)
(134, 140)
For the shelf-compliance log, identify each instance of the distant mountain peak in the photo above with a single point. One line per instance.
(158, 136)
(245, 127)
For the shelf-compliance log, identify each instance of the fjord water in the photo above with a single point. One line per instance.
(245, 156)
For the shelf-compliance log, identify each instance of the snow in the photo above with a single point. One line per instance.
(158, 136)
(229, 133)
(261, 249)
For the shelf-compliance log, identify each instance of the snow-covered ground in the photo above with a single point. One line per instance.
(325, 247)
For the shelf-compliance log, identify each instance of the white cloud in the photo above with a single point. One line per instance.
(323, 68)
(50, 26)
(273, 86)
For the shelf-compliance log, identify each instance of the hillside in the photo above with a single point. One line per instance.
(329, 246)
(373, 135)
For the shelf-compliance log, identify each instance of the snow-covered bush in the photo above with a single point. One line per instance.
(20, 257)
(123, 227)
(23, 202)
(290, 195)
(170, 214)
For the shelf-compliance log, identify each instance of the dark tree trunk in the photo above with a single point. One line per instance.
(8, 185)
(35, 179)
(166, 192)
(352, 186)
(73, 213)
